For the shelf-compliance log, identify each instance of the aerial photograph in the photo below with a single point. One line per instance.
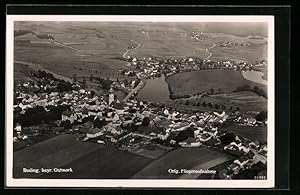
(140, 100)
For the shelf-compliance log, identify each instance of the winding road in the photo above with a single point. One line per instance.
(209, 53)
(128, 50)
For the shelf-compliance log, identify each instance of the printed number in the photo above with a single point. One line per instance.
(260, 177)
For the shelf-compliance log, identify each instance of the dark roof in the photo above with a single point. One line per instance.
(67, 113)
(118, 105)
(92, 103)
(85, 110)
(94, 130)
(243, 158)
(212, 142)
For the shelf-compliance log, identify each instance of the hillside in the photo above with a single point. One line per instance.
(100, 46)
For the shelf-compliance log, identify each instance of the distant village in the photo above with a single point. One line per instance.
(48, 107)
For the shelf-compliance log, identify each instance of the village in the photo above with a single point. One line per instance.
(129, 124)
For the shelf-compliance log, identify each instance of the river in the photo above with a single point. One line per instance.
(254, 76)
(155, 90)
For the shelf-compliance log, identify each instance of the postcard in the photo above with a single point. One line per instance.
(140, 101)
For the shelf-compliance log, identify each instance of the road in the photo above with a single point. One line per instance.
(209, 53)
(126, 52)
(63, 45)
(135, 90)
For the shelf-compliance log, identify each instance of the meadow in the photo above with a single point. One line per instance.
(191, 83)
(190, 158)
(104, 163)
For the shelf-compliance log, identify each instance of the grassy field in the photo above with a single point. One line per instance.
(104, 163)
(153, 151)
(252, 133)
(88, 160)
(189, 83)
(183, 158)
(246, 101)
(55, 152)
(97, 48)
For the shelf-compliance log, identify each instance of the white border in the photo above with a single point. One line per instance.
(157, 183)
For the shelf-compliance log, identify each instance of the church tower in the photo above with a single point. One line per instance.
(111, 96)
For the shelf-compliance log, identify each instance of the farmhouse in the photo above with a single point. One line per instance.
(94, 132)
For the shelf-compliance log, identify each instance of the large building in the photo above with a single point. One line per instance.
(111, 96)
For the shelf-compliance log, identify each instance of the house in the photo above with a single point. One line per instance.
(94, 132)
(235, 168)
(254, 144)
(250, 154)
(67, 115)
(260, 158)
(213, 142)
(18, 127)
(242, 161)
(244, 149)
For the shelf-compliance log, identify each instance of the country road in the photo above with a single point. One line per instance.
(63, 45)
(209, 53)
(126, 52)
(135, 90)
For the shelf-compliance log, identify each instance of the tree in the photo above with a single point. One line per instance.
(217, 106)
(227, 138)
(91, 77)
(212, 91)
(93, 93)
(74, 78)
(262, 116)
(219, 90)
(146, 121)
(187, 102)
(204, 104)
(84, 82)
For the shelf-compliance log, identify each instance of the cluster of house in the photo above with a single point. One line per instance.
(154, 67)
(199, 36)
(250, 153)
(231, 44)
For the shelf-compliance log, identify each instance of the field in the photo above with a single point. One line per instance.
(88, 160)
(104, 163)
(85, 48)
(153, 151)
(190, 83)
(183, 158)
(54, 152)
(252, 133)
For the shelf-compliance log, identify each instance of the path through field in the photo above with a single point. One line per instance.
(126, 52)
(209, 53)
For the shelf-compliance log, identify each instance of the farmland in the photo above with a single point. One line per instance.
(88, 160)
(104, 163)
(54, 152)
(190, 158)
(86, 48)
